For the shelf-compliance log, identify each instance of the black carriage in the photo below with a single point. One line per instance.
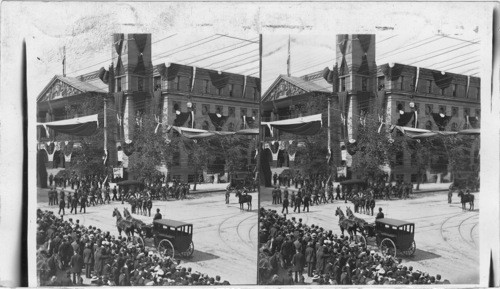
(242, 180)
(393, 236)
(170, 237)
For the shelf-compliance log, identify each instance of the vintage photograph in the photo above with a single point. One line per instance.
(370, 159)
(147, 159)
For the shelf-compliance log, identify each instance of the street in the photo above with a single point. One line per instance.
(447, 238)
(225, 238)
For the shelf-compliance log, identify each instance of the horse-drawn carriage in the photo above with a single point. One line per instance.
(169, 237)
(393, 236)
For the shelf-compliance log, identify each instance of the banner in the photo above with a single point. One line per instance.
(118, 172)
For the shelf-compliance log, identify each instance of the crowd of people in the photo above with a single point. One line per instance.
(95, 190)
(290, 249)
(67, 249)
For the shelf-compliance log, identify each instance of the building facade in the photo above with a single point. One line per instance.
(401, 94)
(183, 96)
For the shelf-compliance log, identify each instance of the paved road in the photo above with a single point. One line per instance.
(225, 238)
(446, 237)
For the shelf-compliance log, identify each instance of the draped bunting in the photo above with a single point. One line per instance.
(140, 40)
(342, 101)
(155, 102)
(417, 133)
(415, 78)
(248, 120)
(342, 42)
(363, 68)
(218, 122)
(352, 147)
(172, 71)
(219, 80)
(118, 98)
(364, 40)
(103, 75)
(193, 133)
(128, 148)
(380, 100)
(473, 121)
(291, 156)
(111, 79)
(328, 75)
(118, 40)
(80, 126)
(68, 150)
(442, 80)
(181, 118)
(274, 148)
(405, 118)
(441, 122)
(257, 83)
(308, 125)
(393, 73)
(343, 67)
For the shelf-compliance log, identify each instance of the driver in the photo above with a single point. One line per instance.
(380, 214)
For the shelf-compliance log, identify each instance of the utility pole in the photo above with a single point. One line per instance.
(64, 61)
(288, 60)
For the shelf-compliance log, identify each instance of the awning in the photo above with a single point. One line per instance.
(472, 131)
(307, 125)
(194, 133)
(80, 126)
(418, 133)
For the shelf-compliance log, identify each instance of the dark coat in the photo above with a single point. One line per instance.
(299, 262)
(87, 256)
(76, 263)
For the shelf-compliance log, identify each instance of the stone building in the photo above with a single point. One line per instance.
(184, 96)
(401, 94)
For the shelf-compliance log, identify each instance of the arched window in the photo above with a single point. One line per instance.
(454, 127)
(206, 125)
(428, 125)
(230, 126)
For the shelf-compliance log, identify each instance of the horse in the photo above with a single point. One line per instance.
(346, 224)
(360, 223)
(122, 224)
(466, 198)
(244, 199)
(271, 266)
(138, 224)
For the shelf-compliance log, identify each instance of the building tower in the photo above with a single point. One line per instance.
(133, 74)
(357, 78)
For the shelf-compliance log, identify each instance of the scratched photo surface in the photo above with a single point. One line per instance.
(196, 106)
(370, 159)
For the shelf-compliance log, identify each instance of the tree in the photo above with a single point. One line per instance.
(151, 149)
(198, 156)
(374, 150)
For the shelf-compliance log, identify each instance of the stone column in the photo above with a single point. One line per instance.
(128, 118)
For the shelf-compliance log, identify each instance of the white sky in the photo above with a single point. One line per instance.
(214, 51)
(312, 53)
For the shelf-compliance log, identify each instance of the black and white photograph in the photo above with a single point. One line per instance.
(370, 159)
(146, 160)
(247, 144)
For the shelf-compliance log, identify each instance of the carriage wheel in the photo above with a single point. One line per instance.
(189, 252)
(411, 250)
(137, 240)
(166, 248)
(387, 247)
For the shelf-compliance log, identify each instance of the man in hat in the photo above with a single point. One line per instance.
(298, 262)
(380, 214)
(76, 266)
(285, 205)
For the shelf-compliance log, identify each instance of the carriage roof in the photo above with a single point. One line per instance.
(171, 223)
(393, 222)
